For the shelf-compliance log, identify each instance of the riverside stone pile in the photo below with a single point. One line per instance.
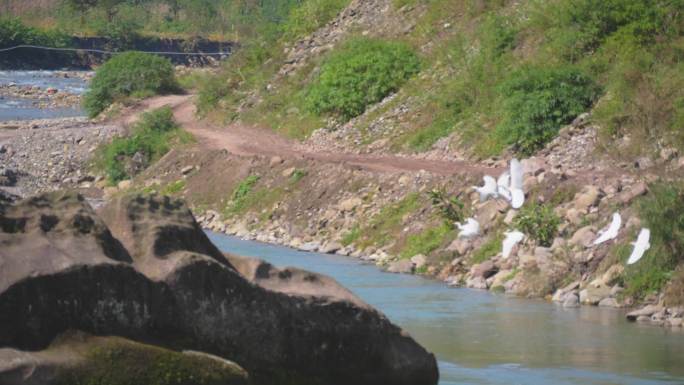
(46, 155)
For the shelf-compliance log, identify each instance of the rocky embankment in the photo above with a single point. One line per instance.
(143, 270)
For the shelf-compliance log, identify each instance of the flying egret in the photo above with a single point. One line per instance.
(640, 246)
(512, 239)
(488, 190)
(611, 231)
(470, 229)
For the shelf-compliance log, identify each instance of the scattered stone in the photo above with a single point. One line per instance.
(627, 196)
(485, 270)
(288, 172)
(330, 248)
(584, 236)
(609, 302)
(124, 184)
(276, 160)
(571, 300)
(187, 170)
(588, 197)
(350, 204)
(643, 312)
(403, 266)
(419, 261)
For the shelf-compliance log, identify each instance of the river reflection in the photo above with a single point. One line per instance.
(482, 338)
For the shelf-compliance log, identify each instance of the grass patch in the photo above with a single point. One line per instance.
(174, 187)
(151, 138)
(351, 236)
(385, 226)
(487, 250)
(427, 240)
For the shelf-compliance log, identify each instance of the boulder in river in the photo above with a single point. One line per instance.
(144, 270)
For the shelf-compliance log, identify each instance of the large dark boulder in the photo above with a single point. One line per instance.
(146, 271)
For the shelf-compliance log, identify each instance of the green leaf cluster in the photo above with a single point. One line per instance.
(128, 74)
(539, 222)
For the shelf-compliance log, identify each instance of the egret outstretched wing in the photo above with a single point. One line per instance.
(512, 239)
(516, 174)
(517, 198)
(611, 231)
(641, 245)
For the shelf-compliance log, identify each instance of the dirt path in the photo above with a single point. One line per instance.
(250, 141)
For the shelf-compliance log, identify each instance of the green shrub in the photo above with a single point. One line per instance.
(538, 101)
(662, 211)
(128, 74)
(362, 72)
(451, 209)
(539, 222)
(151, 137)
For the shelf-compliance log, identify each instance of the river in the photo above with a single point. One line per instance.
(484, 338)
(12, 108)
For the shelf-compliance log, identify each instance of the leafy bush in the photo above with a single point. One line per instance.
(151, 138)
(539, 222)
(128, 74)
(360, 73)
(538, 101)
(452, 210)
(662, 211)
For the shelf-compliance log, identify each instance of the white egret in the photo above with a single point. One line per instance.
(516, 174)
(512, 239)
(470, 229)
(640, 246)
(611, 231)
(488, 190)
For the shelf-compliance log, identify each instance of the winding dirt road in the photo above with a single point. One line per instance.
(252, 141)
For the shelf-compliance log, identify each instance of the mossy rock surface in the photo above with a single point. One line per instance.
(117, 361)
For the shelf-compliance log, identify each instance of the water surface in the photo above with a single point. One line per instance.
(26, 109)
(482, 338)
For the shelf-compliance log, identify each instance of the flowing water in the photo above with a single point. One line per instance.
(12, 108)
(483, 338)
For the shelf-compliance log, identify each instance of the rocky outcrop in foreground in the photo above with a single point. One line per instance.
(145, 271)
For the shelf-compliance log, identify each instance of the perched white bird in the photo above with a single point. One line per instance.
(516, 174)
(640, 246)
(470, 229)
(503, 186)
(611, 231)
(512, 239)
(488, 190)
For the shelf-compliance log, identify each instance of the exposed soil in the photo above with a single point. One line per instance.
(241, 139)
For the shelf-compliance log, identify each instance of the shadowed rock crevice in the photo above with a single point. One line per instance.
(177, 289)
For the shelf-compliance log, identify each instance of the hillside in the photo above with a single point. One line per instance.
(361, 127)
